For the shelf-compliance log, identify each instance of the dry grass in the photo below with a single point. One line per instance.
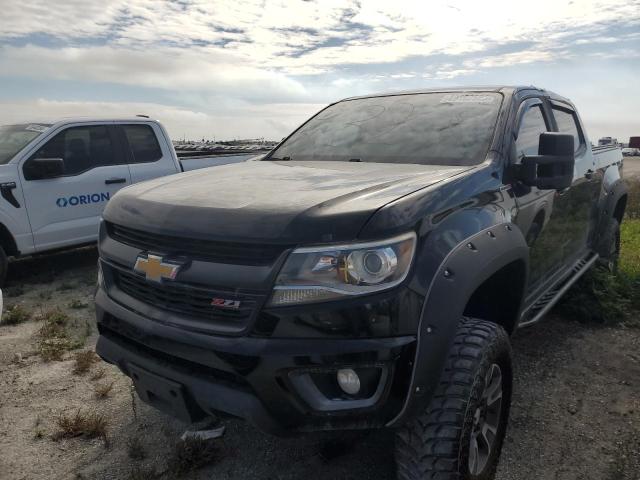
(39, 432)
(191, 454)
(45, 295)
(135, 449)
(83, 361)
(77, 304)
(16, 314)
(103, 390)
(87, 424)
(140, 473)
(15, 291)
(65, 287)
(53, 339)
(98, 374)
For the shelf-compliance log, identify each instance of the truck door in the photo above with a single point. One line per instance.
(147, 156)
(584, 191)
(66, 209)
(542, 214)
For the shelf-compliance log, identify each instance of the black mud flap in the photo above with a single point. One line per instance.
(164, 394)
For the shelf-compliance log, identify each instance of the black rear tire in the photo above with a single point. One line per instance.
(438, 445)
(609, 245)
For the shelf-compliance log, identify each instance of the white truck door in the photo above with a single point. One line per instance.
(150, 153)
(65, 208)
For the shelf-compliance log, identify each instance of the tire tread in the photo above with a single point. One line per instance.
(427, 448)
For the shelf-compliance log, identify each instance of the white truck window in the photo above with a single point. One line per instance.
(81, 148)
(567, 124)
(14, 138)
(531, 126)
(143, 143)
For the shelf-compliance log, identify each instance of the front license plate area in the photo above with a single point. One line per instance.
(166, 395)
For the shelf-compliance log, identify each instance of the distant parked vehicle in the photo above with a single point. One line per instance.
(607, 141)
(56, 178)
(631, 152)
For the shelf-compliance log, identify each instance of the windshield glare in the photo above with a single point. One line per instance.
(14, 138)
(426, 128)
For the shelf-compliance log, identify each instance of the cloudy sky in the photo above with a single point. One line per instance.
(236, 69)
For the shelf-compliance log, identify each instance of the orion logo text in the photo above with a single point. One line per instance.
(74, 200)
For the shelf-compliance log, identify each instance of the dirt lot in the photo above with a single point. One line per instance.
(576, 412)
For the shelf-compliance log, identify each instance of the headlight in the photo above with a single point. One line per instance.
(316, 274)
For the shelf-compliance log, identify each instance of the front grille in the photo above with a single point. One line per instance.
(187, 300)
(213, 251)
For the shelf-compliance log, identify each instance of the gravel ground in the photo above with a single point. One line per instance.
(576, 410)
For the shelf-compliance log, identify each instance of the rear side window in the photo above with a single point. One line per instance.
(531, 126)
(81, 148)
(567, 124)
(143, 143)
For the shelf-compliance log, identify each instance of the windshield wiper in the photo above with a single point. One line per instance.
(278, 159)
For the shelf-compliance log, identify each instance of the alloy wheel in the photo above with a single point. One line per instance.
(486, 421)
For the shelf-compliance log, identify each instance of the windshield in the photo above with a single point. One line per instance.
(426, 128)
(14, 138)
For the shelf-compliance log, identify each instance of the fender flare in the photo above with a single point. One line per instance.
(617, 191)
(463, 270)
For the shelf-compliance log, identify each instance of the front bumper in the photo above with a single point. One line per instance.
(257, 379)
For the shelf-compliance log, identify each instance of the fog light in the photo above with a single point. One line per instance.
(349, 381)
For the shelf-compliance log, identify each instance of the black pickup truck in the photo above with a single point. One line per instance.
(368, 272)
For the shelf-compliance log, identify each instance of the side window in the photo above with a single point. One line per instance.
(81, 149)
(567, 124)
(531, 126)
(143, 143)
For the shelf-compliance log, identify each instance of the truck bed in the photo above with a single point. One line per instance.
(606, 155)
(204, 161)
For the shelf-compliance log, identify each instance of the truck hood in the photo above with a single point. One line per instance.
(276, 202)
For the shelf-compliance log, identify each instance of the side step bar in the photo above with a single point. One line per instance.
(548, 299)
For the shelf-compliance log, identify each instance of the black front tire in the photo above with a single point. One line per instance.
(439, 444)
(4, 266)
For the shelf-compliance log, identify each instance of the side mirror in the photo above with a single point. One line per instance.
(552, 168)
(41, 168)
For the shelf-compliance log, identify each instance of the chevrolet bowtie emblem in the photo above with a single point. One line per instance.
(155, 268)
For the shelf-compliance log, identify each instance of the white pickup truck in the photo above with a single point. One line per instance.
(56, 178)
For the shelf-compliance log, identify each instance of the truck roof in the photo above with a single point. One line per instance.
(507, 89)
(82, 119)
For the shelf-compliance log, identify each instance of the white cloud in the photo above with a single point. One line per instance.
(163, 67)
(448, 72)
(68, 19)
(529, 56)
(286, 35)
(220, 57)
(270, 121)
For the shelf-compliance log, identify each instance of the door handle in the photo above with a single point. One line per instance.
(589, 174)
(110, 181)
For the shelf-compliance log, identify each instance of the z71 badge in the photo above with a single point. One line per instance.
(225, 303)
